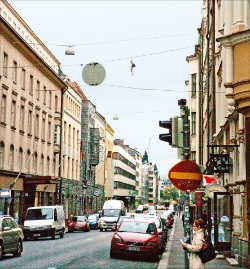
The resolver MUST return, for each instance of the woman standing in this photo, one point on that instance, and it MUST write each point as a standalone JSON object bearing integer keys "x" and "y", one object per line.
{"x": 196, "y": 245}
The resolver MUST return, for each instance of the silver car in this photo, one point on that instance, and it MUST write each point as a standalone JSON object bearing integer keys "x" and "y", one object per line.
{"x": 11, "y": 237}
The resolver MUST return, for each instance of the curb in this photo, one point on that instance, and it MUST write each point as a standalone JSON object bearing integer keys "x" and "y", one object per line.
{"x": 163, "y": 264}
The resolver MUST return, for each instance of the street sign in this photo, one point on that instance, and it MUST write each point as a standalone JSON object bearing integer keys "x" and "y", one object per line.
{"x": 185, "y": 175}
{"x": 93, "y": 74}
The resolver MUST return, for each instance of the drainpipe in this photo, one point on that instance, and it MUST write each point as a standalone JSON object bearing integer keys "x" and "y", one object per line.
{"x": 59, "y": 195}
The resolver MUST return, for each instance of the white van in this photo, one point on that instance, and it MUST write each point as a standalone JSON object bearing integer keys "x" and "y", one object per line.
{"x": 43, "y": 221}
{"x": 112, "y": 210}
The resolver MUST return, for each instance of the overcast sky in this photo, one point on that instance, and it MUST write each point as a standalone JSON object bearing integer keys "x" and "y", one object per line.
{"x": 157, "y": 35}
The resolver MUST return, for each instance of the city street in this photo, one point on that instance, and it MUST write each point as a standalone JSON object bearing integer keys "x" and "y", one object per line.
{"x": 75, "y": 250}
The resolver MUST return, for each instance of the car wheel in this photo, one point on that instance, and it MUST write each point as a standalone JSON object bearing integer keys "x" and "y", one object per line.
{"x": 19, "y": 249}
{"x": 112, "y": 254}
{"x": 155, "y": 258}
{"x": 101, "y": 229}
{"x": 62, "y": 234}
{"x": 25, "y": 238}
{"x": 1, "y": 251}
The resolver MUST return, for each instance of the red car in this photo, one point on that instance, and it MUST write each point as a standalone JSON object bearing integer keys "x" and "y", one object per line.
{"x": 136, "y": 237}
{"x": 78, "y": 223}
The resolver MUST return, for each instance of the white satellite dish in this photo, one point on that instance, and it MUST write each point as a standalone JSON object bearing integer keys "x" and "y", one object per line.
{"x": 93, "y": 74}
{"x": 212, "y": 188}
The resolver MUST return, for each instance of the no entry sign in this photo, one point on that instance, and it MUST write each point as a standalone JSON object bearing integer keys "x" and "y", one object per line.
{"x": 185, "y": 175}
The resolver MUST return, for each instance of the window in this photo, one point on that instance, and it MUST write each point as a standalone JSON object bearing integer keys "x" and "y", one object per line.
{"x": 5, "y": 64}
{"x": 38, "y": 90}
{"x": 56, "y": 132}
{"x": 44, "y": 95}
{"x": 22, "y": 115}
{"x": 56, "y": 103}
{"x": 193, "y": 126}
{"x": 49, "y": 132}
{"x": 47, "y": 166}
{"x": 50, "y": 100}
{"x": 42, "y": 165}
{"x": 28, "y": 161}
{"x": 35, "y": 163}
{"x": 11, "y": 158}
{"x": 13, "y": 113}
{"x": 20, "y": 159}
{"x": 193, "y": 78}
{"x": 1, "y": 154}
{"x": 23, "y": 76}
{"x": 43, "y": 126}
{"x": 31, "y": 85}
{"x": 14, "y": 72}
{"x": 37, "y": 125}
{"x": 30, "y": 122}
{"x": 3, "y": 109}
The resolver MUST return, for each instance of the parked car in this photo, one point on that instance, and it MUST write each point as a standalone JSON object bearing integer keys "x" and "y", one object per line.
{"x": 11, "y": 237}
{"x": 93, "y": 221}
{"x": 160, "y": 225}
{"x": 120, "y": 219}
{"x": 78, "y": 223}
{"x": 136, "y": 237}
{"x": 139, "y": 209}
{"x": 168, "y": 218}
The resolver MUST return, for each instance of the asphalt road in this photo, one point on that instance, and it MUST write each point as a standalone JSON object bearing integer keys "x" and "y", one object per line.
{"x": 75, "y": 251}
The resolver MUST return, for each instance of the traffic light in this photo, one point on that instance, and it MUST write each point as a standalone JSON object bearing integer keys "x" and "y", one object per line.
{"x": 168, "y": 136}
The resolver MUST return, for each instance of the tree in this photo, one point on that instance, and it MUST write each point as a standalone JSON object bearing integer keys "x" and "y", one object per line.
{"x": 171, "y": 193}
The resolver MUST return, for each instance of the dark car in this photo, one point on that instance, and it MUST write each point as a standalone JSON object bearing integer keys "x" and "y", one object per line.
{"x": 93, "y": 221}
{"x": 138, "y": 238}
{"x": 78, "y": 223}
{"x": 11, "y": 237}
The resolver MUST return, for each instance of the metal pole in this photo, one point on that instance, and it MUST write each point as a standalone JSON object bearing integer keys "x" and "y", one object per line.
{"x": 186, "y": 228}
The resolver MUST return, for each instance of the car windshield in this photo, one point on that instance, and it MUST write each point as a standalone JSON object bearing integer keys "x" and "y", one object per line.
{"x": 111, "y": 212}
{"x": 136, "y": 227}
{"x": 39, "y": 214}
{"x": 155, "y": 220}
{"x": 78, "y": 219}
{"x": 92, "y": 217}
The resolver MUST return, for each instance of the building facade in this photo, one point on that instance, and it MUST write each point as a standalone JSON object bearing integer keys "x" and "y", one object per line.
{"x": 30, "y": 126}
{"x": 219, "y": 87}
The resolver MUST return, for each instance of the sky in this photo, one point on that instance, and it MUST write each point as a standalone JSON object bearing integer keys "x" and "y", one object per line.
{"x": 156, "y": 35}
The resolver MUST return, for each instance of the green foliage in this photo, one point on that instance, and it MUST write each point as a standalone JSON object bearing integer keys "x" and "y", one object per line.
{"x": 170, "y": 193}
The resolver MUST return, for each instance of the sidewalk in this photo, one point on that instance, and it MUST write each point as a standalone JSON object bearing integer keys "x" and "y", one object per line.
{"x": 173, "y": 257}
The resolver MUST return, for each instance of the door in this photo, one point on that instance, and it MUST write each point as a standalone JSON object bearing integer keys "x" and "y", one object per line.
{"x": 223, "y": 212}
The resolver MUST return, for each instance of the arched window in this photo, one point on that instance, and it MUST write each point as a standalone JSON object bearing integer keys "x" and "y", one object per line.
{"x": 47, "y": 166}
{"x": 42, "y": 165}
{"x": 1, "y": 154}
{"x": 20, "y": 159}
{"x": 35, "y": 163}
{"x": 28, "y": 161}
{"x": 11, "y": 158}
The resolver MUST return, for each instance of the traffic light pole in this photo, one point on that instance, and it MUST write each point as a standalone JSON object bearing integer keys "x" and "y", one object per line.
{"x": 186, "y": 228}
{"x": 185, "y": 152}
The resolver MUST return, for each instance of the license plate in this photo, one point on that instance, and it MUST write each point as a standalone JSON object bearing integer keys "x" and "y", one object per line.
{"x": 36, "y": 235}
{"x": 134, "y": 248}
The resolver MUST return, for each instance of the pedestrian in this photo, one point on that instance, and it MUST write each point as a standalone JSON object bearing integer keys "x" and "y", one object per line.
{"x": 204, "y": 217}
{"x": 196, "y": 245}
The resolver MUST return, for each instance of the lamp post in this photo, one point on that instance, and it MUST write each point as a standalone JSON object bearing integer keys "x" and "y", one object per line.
{"x": 84, "y": 189}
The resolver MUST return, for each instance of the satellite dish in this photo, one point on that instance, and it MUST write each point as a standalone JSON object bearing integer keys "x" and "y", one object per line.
{"x": 93, "y": 74}
{"x": 212, "y": 188}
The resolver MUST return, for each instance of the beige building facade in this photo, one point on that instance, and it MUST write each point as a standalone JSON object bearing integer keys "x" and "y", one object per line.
{"x": 30, "y": 98}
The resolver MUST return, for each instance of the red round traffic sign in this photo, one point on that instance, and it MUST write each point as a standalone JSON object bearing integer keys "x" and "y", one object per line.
{"x": 185, "y": 175}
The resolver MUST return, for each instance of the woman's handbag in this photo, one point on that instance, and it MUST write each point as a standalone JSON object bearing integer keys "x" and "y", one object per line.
{"x": 207, "y": 252}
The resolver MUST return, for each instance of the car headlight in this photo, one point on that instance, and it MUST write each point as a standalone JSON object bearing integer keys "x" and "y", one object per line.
{"x": 26, "y": 228}
{"x": 102, "y": 222}
{"x": 151, "y": 243}
{"x": 47, "y": 227}
{"x": 117, "y": 239}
